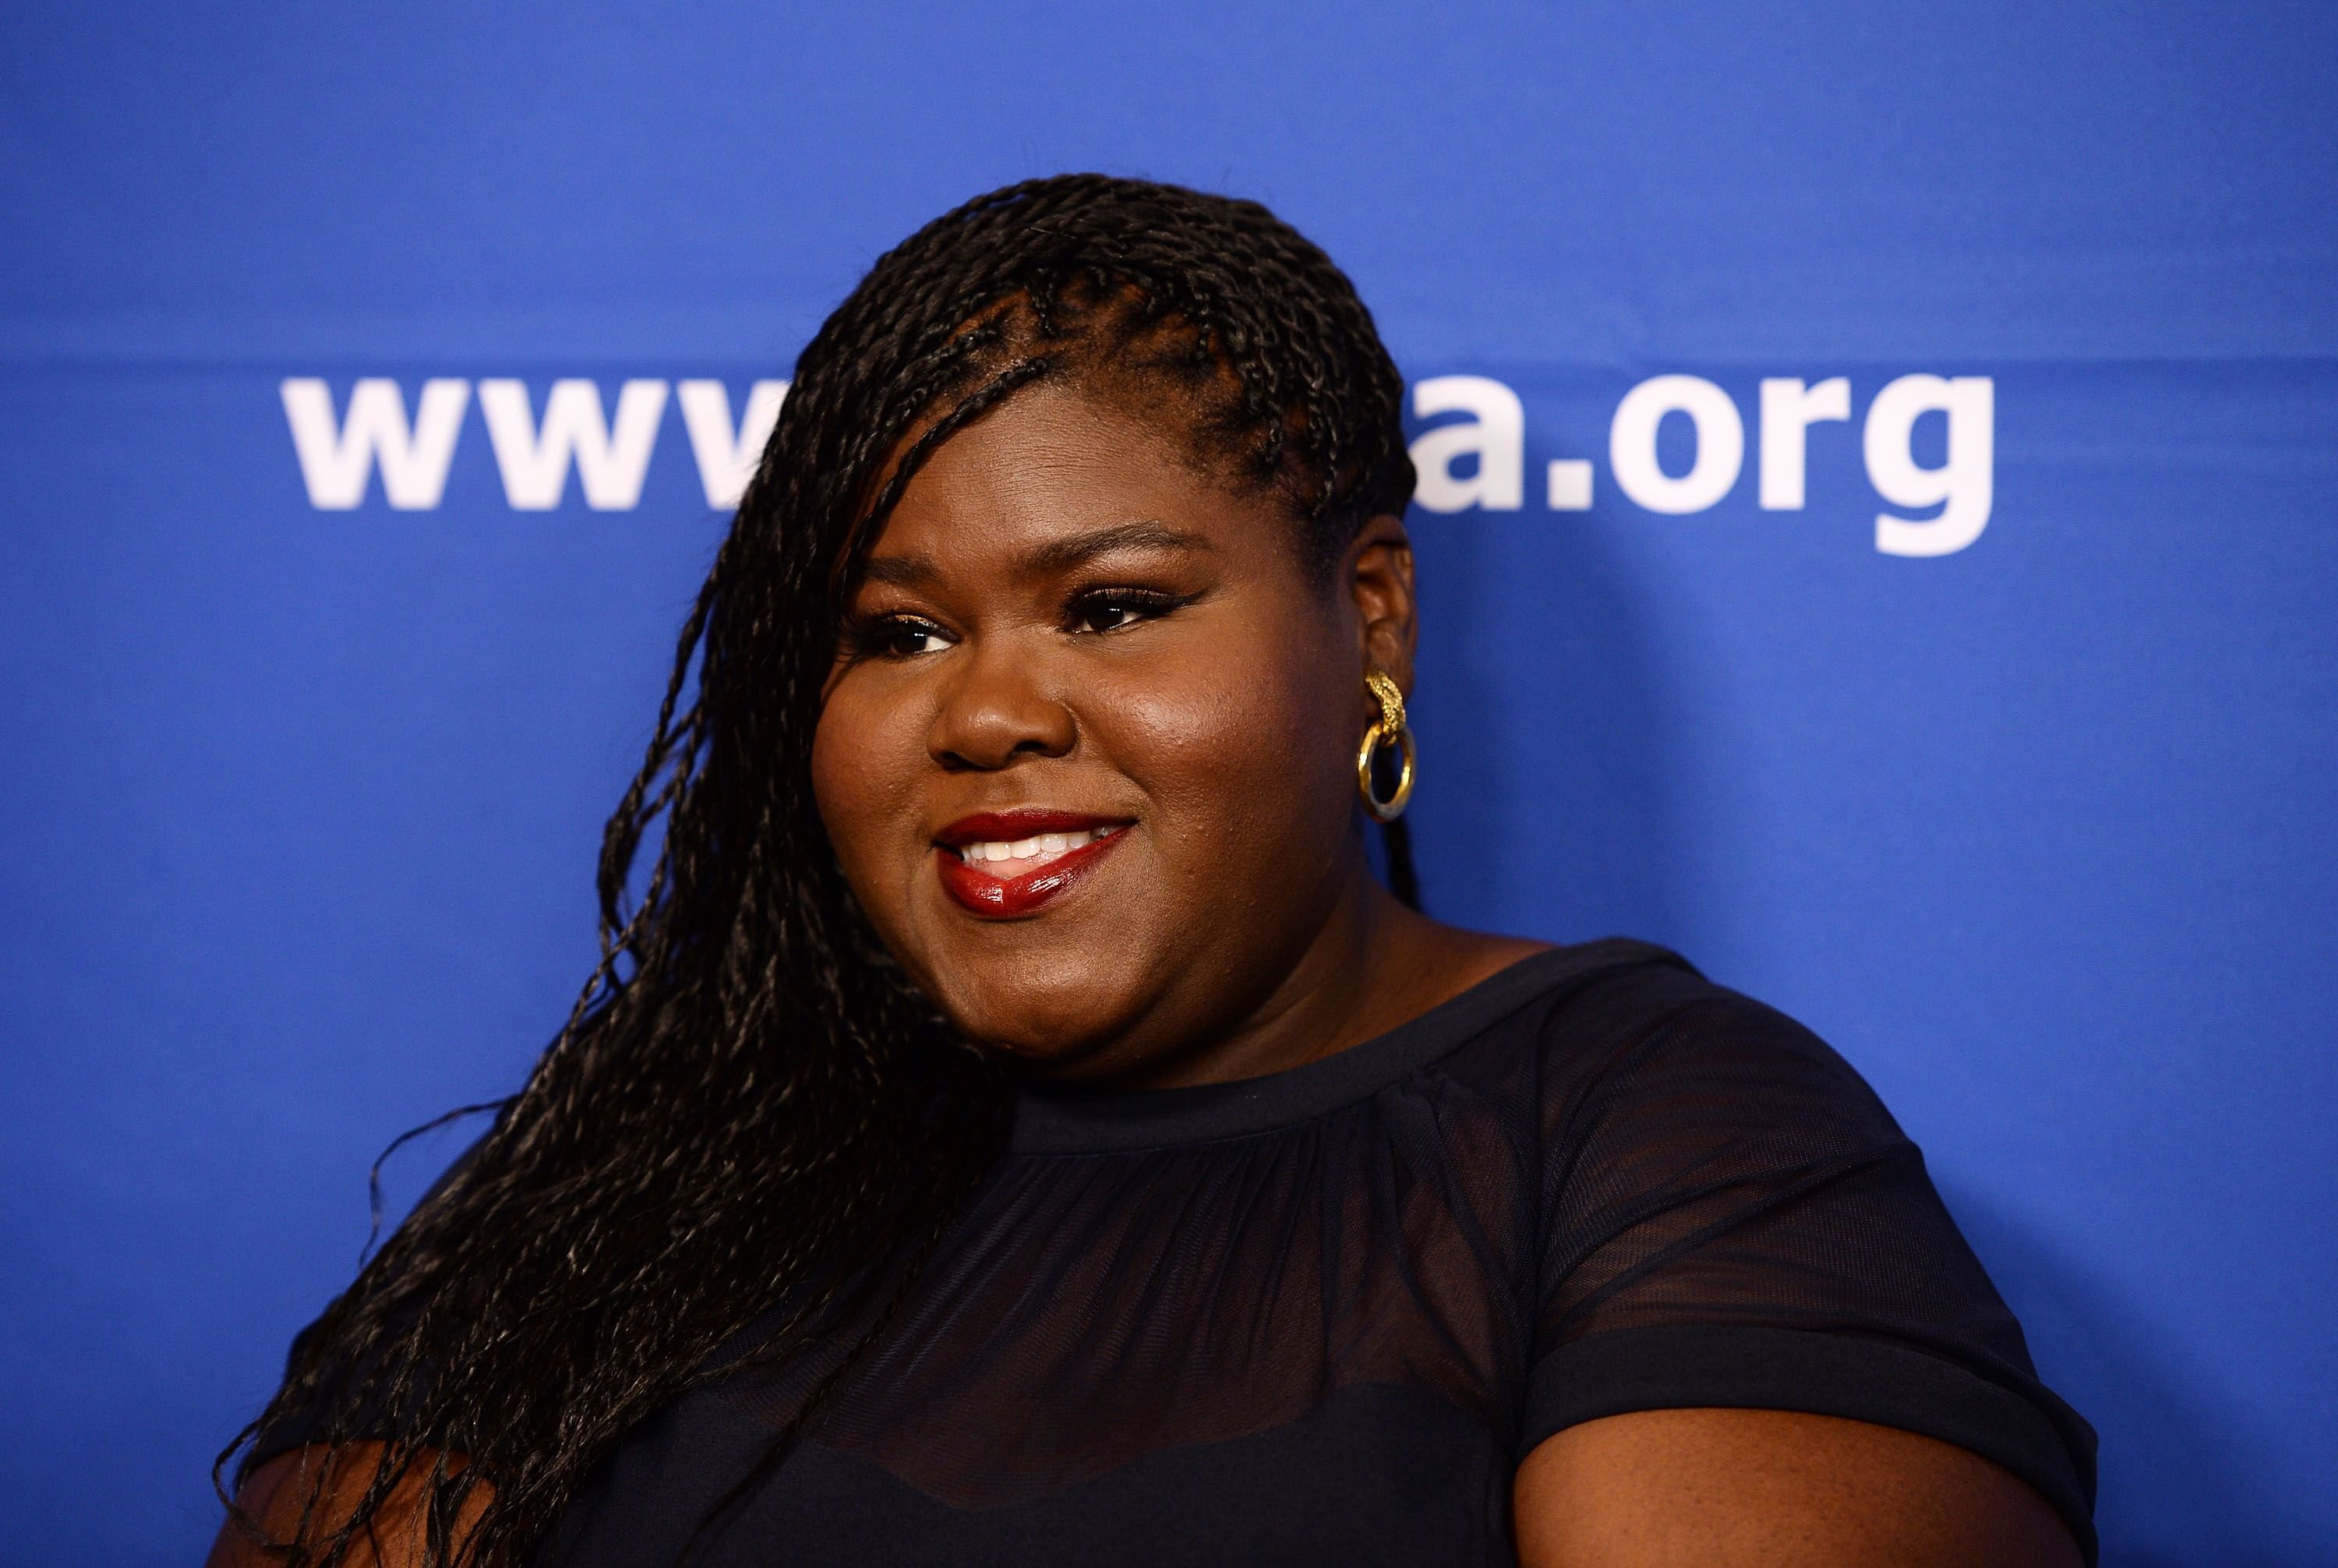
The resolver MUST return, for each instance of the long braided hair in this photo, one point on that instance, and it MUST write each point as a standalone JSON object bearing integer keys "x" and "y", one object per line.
{"x": 718, "y": 1130}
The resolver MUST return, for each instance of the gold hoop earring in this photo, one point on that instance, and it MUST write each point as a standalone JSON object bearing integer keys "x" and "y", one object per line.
{"x": 1389, "y": 727}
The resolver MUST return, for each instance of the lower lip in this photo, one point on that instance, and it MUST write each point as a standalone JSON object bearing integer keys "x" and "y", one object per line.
{"x": 991, "y": 898}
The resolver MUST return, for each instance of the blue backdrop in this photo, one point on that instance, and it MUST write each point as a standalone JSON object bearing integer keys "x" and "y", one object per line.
{"x": 315, "y": 693}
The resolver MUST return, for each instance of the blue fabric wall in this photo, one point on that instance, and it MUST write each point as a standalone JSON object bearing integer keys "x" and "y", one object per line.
{"x": 299, "y": 804}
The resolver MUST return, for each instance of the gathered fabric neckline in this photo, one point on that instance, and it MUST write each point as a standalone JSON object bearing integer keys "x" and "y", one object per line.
{"x": 1070, "y": 1120}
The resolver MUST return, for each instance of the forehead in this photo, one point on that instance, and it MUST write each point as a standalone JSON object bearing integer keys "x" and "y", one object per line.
{"x": 1054, "y": 462}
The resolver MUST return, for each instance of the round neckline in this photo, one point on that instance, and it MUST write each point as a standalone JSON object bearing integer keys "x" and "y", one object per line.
{"x": 1069, "y": 1120}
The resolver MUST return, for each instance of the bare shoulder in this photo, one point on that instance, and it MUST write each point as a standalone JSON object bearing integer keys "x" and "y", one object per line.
{"x": 1479, "y": 955}
{"x": 1448, "y": 960}
{"x": 1757, "y": 1488}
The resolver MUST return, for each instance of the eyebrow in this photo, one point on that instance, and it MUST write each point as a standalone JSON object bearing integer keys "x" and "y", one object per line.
{"x": 1062, "y": 554}
{"x": 1057, "y": 555}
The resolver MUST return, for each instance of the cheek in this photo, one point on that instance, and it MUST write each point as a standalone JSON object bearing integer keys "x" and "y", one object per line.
{"x": 1242, "y": 752}
{"x": 865, "y": 759}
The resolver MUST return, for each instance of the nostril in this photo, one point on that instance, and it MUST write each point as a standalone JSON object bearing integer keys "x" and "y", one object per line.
{"x": 999, "y": 727}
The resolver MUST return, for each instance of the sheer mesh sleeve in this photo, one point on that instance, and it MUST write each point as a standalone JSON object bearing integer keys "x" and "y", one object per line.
{"x": 330, "y": 1415}
{"x": 1730, "y": 1218}
{"x": 341, "y": 1408}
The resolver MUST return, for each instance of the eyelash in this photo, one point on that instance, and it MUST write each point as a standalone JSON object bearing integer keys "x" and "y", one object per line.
{"x": 884, "y": 636}
{"x": 881, "y": 636}
{"x": 1147, "y": 603}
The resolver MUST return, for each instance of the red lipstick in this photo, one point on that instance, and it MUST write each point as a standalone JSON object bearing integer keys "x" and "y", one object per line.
{"x": 1000, "y": 899}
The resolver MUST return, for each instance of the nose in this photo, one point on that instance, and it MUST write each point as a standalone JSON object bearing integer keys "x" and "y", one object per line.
{"x": 998, "y": 710}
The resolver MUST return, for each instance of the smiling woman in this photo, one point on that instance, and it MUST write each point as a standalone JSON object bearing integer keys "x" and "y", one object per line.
{"x": 1017, "y": 1126}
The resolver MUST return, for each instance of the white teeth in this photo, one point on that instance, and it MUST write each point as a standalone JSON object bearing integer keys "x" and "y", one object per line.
{"x": 1041, "y": 846}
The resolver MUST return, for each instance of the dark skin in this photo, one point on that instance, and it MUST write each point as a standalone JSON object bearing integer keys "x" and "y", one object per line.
{"x": 1068, "y": 610}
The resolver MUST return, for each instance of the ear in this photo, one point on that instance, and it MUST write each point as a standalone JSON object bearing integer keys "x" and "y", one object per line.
{"x": 1377, "y": 574}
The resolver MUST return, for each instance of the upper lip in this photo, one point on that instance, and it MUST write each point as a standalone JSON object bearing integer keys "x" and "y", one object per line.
{"x": 1023, "y": 822}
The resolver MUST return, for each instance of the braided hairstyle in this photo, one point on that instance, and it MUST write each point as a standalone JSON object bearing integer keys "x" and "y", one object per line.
{"x": 720, "y": 1126}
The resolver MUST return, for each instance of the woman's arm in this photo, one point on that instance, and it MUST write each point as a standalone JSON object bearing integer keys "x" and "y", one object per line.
{"x": 277, "y": 1493}
{"x": 1712, "y": 1488}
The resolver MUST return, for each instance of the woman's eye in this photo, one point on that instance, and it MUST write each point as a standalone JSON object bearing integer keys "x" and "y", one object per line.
{"x": 1111, "y": 611}
{"x": 901, "y": 639}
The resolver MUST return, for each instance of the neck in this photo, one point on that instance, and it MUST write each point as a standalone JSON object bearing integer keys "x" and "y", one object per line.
{"x": 1370, "y": 965}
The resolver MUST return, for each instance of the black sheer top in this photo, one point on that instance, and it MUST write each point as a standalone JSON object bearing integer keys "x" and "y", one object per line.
{"x": 1320, "y": 1316}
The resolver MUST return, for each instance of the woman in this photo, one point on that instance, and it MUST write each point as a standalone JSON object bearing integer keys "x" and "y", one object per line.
{"x": 1016, "y": 1124}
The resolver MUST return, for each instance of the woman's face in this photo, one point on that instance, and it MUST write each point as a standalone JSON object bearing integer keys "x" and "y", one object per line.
{"x": 1087, "y": 754}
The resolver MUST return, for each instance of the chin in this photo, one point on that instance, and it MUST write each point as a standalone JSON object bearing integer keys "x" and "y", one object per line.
{"x": 1043, "y": 1026}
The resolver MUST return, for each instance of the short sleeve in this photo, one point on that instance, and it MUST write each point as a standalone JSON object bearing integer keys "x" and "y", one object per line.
{"x": 340, "y": 1407}
{"x": 1730, "y": 1218}
{"x": 343, "y": 1402}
